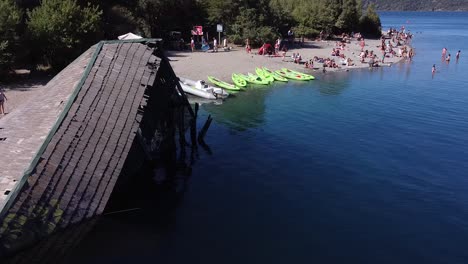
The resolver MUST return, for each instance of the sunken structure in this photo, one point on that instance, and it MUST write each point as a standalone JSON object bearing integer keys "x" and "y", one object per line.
{"x": 98, "y": 120}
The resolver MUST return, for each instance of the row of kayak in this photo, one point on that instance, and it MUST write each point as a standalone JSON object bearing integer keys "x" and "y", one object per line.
{"x": 264, "y": 76}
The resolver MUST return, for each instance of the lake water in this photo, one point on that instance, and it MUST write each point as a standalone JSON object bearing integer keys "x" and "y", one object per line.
{"x": 367, "y": 166}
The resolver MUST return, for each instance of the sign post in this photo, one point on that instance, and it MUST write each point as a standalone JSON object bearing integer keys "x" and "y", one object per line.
{"x": 219, "y": 29}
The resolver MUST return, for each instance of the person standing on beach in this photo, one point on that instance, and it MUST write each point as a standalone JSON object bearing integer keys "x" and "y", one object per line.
{"x": 3, "y": 98}
{"x": 290, "y": 37}
{"x": 278, "y": 46}
{"x": 362, "y": 44}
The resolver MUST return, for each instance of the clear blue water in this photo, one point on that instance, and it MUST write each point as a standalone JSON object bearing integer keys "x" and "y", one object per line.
{"x": 367, "y": 166}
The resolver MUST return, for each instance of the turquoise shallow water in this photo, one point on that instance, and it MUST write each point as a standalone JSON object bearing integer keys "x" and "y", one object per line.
{"x": 367, "y": 166}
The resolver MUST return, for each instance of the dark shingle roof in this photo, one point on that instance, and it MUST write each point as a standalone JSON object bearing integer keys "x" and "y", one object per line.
{"x": 77, "y": 170}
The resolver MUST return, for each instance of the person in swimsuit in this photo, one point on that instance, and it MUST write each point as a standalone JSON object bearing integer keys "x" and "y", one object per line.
{"x": 458, "y": 55}
{"x": 433, "y": 68}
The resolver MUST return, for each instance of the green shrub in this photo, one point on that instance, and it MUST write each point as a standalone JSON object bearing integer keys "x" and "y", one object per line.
{"x": 60, "y": 30}
{"x": 369, "y": 24}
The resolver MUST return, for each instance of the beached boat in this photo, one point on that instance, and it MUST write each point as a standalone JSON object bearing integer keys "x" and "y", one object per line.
{"x": 202, "y": 89}
{"x": 223, "y": 84}
{"x": 238, "y": 81}
{"x": 253, "y": 79}
{"x": 275, "y": 75}
{"x": 192, "y": 99}
{"x": 307, "y": 76}
{"x": 264, "y": 75}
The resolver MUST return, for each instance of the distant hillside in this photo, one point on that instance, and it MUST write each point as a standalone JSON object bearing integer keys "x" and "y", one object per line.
{"x": 419, "y": 5}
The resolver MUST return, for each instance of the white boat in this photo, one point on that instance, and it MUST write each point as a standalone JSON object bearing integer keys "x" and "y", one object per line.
{"x": 201, "y": 101}
{"x": 202, "y": 89}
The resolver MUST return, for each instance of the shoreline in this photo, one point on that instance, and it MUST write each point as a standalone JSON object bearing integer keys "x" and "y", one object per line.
{"x": 198, "y": 65}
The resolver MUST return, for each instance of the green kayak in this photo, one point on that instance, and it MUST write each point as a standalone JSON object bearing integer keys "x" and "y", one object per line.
{"x": 258, "y": 78}
{"x": 223, "y": 84}
{"x": 275, "y": 75}
{"x": 238, "y": 81}
{"x": 306, "y": 76}
{"x": 290, "y": 75}
{"x": 253, "y": 79}
{"x": 264, "y": 75}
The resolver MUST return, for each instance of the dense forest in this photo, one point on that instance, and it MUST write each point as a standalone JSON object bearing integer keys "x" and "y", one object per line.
{"x": 419, "y": 5}
{"x": 51, "y": 33}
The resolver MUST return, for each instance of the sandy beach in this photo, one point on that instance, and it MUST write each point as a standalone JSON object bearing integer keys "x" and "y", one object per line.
{"x": 197, "y": 65}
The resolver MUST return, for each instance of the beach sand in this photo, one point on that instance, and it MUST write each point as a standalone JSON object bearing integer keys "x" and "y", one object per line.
{"x": 197, "y": 65}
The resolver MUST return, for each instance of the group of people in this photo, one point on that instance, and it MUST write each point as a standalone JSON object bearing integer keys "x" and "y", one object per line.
{"x": 205, "y": 45}
{"x": 396, "y": 40}
{"x": 336, "y": 52}
{"x": 446, "y": 57}
{"x": 266, "y": 49}
{"x": 393, "y": 44}
{"x": 399, "y": 37}
{"x": 327, "y": 62}
{"x": 297, "y": 58}
{"x": 366, "y": 54}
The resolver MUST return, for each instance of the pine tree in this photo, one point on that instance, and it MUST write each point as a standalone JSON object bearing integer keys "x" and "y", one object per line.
{"x": 370, "y": 23}
{"x": 348, "y": 18}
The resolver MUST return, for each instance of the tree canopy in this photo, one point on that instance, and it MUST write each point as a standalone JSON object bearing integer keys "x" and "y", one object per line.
{"x": 10, "y": 16}
{"x": 54, "y": 32}
{"x": 264, "y": 20}
{"x": 61, "y": 29}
